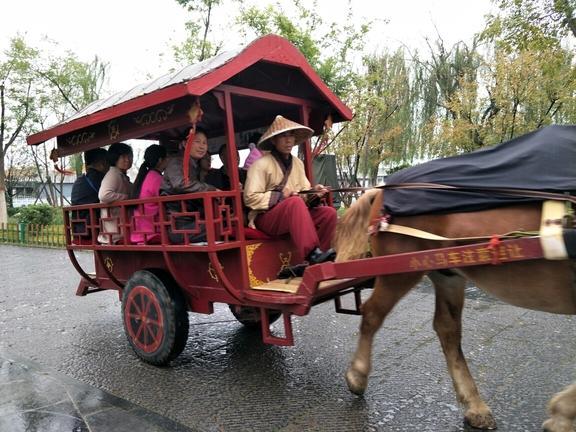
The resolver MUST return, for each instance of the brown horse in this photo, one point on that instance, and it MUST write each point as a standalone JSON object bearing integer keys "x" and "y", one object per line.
{"x": 551, "y": 286}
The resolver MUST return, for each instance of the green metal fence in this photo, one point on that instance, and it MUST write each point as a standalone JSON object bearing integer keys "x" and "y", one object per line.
{"x": 33, "y": 235}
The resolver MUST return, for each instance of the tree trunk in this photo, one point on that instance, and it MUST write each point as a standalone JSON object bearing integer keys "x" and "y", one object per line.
{"x": 3, "y": 208}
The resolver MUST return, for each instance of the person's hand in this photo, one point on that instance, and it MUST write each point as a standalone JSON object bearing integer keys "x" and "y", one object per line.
{"x": 322, "y": 190}
{"x": 287, "y": 192}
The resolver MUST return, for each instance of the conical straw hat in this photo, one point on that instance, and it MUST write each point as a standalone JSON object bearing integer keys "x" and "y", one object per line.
{"x": 281, "y": 125}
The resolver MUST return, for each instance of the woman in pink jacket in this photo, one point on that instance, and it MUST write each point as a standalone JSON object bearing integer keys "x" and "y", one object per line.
{"x": 146, "y": 185}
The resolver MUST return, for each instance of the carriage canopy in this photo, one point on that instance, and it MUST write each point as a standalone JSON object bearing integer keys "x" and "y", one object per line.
{"x": 267, "y": 77}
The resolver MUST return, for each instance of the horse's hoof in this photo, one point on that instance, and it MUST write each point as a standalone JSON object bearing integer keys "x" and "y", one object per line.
{"x": 481, "y": 421}
{"x": 357, "y": 381}
{"x": 556, "y": 425}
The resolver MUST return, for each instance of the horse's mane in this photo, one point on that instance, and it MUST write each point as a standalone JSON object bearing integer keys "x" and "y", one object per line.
{"x": 351, "y": 238}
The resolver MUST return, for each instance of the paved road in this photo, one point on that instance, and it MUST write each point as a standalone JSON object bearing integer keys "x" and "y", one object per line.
{"x": 227, "y": 380}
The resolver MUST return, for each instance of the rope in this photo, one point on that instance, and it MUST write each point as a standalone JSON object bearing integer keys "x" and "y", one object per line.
{"x": 501, "y": 191}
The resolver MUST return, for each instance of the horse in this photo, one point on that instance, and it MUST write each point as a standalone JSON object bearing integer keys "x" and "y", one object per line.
{"x": 551, "y": 285}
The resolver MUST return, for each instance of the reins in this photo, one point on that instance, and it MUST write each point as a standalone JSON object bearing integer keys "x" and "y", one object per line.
{"x": 383, "y": 223}
{"x": 528, "y": 193}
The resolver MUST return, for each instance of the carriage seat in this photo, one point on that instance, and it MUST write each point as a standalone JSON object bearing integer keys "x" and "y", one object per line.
{"x": 256, "y": 234}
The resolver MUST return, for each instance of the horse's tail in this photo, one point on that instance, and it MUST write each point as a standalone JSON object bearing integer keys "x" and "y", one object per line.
{"x": 351, "y": 238}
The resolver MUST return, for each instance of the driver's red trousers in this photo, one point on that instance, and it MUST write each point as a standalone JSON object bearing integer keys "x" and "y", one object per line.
{"x": 308, "y": 228}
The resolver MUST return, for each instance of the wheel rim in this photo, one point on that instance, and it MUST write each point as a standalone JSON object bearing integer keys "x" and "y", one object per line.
{"x": 144, "y": 319}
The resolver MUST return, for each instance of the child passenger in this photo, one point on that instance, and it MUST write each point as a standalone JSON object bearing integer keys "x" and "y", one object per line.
{"x": 146, "y": 185}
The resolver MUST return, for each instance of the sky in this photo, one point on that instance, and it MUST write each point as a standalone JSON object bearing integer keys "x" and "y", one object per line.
{"x": 135, "y": 36}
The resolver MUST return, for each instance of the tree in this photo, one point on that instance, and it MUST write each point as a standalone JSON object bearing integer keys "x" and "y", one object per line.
{"x": 37, "y": 89}
{"x": 330, "y": 49}
{"x": 200, "y": 43}
{"x": 531, "y": 24}
{"x": 16, "y": 104}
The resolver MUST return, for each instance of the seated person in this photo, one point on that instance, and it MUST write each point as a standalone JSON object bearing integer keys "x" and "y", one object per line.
{"x": 85, "y": 188}
{"x": 146, "y": 185}
{"x": 221, "y": 177}
{"x": 115, "y": 186}
{"x": 173, "y": 183}
{"x": 271, "y": 192}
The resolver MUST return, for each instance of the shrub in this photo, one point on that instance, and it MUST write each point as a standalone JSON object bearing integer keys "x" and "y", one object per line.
{"x": 37, "y": 214}
{"x": 58, "y": 216}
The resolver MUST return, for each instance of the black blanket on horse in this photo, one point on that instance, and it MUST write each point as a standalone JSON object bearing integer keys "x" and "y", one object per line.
{"x": 543, "y": 160}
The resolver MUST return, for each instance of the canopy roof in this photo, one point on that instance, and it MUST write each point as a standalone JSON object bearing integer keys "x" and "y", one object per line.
{"x": 268, "y": 66}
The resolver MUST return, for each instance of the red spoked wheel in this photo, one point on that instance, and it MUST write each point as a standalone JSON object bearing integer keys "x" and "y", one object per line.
{"x": 155, "y": 318}
{"x": 144, "y": 319}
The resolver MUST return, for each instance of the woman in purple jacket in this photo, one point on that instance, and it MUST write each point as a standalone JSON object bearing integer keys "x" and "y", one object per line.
{"x": 146, "y": 185}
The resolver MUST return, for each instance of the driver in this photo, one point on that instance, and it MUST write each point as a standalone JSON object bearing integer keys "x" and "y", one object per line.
{"x": 271, "y": 192}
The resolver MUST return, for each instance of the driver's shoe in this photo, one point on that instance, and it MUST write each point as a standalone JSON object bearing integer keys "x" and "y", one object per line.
{"x": 292, "y": 271}
{"x": 317, "y": 256}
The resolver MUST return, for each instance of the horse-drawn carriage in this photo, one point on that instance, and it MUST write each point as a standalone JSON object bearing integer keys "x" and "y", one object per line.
{"x": 240, "y": 93}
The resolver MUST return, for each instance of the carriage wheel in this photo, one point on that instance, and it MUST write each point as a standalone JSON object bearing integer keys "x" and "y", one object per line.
{"x": 250, "y": 316}
{"x": 155, "y": 318}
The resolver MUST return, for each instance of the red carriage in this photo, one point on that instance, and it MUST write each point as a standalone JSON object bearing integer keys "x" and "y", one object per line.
{"x": 241, "y": 92}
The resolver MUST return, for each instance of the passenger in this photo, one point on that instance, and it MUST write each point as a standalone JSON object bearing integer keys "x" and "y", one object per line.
{"x": 221, "y": 177}
{"x": 272, "y": 189}
{"x": 146, "y": 185}
{"x": 173, "y": 184}
{"x": 85, "y": 188}
{"x": 115, "y": 186}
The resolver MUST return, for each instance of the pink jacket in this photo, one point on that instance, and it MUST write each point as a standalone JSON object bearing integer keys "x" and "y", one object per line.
{"x": 143, "y": 221}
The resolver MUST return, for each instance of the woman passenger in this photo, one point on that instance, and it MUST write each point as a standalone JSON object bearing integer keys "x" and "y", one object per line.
{"x": 146, "y": 185}
{"x": 174, "y": 183}
{"x": 115, "y": 186}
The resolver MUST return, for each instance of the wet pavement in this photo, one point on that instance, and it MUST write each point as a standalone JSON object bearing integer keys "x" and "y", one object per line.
{"x": 34, "y": 398}
{"x": 227, "y": 380}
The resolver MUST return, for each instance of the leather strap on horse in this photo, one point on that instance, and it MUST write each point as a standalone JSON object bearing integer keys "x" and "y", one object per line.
{"x": 414, "y": 232}
{"x": 195, "y": 115}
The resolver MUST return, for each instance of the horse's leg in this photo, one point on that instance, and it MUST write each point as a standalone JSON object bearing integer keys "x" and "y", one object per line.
{"x": 448, "y": 327}
{"x": 562, "y": 411}
{"x": 388, "y": 290}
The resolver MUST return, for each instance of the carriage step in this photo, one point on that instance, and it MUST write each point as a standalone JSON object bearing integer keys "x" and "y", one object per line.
{"x": 85, "y": 287}
{"x": 357, "y": 303}
{"x": 269, "y": 338}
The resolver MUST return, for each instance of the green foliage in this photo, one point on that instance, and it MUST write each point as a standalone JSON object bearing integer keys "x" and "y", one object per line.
{"x": 12, "y": 211}
{"x": 38, "y": 214}
{"x": 199, "y": 45}
{"x": 39, "y": 88}
{"x": 531, "y": 24}
{"x": 328, "y": 48}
